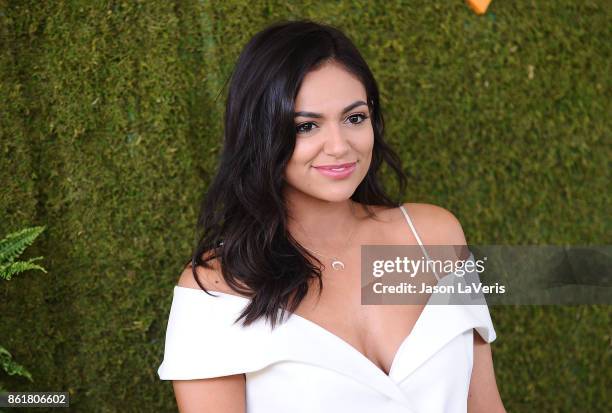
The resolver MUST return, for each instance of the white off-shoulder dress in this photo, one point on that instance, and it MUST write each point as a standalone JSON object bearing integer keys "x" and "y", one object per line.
{"x": 301, "y": 367}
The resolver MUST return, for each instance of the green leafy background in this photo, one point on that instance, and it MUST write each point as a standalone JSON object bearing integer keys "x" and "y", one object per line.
{"x": 111, "y": 125}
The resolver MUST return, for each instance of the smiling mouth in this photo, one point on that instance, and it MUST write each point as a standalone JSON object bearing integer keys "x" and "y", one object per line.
{"x": 337, "y": 172}
{"x": 337, "y": 168}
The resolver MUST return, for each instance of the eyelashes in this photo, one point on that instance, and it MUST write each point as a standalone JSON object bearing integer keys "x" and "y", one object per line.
{"x": 299, "y": 128}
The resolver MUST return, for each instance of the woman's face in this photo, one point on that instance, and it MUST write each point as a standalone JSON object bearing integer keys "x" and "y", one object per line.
{"x": 333, "y": 127}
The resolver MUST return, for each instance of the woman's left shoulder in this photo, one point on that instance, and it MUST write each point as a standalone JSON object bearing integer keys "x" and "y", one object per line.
{"x": 436, "y": 225}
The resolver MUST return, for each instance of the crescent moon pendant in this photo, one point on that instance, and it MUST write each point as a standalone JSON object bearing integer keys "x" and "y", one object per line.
{"x": 336, "y": 265}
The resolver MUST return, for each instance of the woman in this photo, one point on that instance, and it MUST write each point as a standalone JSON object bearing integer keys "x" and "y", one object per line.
{"x": 296, "y": 195}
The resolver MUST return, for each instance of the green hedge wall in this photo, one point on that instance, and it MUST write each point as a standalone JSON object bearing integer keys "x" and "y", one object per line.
{"x": 111, "y": 124}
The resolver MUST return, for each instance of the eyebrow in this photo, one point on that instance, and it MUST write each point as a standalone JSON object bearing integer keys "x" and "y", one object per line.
{"x": 319, "y": 115}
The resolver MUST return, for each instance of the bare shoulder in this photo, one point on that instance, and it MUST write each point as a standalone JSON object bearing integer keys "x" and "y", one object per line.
{"x": 434, "y": 224}
{"x": 210, "y": 278}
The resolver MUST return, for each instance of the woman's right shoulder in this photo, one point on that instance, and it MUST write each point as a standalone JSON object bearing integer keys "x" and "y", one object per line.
{"x": 210, "y": 278}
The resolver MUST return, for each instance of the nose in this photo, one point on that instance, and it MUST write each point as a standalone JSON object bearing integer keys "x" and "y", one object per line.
{"x": 336, "y": 143}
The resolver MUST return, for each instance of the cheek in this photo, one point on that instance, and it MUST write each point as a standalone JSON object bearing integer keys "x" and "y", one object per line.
{"x": 365, "y": 142}
{"x": 304, "y": 152}
{"x": 365, "y": 147}
{"x": 299, "y": 163}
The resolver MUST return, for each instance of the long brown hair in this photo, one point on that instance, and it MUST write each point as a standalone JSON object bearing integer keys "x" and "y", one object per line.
{"x": 243, "y": 219}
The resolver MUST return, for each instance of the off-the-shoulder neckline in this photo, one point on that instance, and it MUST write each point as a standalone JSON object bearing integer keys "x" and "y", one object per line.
{"x": 333, "y": 336}
{"x": 211, "y": 291}
{"x": 328, "y": 333}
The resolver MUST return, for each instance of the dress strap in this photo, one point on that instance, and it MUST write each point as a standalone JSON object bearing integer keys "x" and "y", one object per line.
{"x": 416, "y": 235}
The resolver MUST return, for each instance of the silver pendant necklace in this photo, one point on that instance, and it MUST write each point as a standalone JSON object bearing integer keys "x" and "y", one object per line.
{"x": 336, "y": 263}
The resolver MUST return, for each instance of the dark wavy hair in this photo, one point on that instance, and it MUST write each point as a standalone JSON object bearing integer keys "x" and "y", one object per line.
{"x": 243, "y": 219}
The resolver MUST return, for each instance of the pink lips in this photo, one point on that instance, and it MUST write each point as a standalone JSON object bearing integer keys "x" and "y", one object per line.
{"x": 337, "y": 172}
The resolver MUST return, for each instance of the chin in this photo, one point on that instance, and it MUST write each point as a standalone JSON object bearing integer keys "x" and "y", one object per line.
{"x": 335, "y": 196}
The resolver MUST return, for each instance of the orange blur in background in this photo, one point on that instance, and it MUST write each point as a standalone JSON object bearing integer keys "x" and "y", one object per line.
{"x": 478, "y": 6}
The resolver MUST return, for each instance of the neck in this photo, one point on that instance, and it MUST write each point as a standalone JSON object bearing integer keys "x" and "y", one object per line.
{"x": 319, "y": 223}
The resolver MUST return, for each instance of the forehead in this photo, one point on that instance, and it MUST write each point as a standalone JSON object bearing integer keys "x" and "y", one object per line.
{"x": 329, "y": 88}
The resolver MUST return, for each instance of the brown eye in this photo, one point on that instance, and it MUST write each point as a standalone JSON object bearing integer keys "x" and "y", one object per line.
{"x": 356, "y": 116}
{"x": 307, "y": 125}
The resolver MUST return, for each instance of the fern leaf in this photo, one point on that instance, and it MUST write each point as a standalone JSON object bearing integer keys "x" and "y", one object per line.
{"x": 15, "y": 243}
{"x": 7, "y": 271}
{"x": 11, "y": 367}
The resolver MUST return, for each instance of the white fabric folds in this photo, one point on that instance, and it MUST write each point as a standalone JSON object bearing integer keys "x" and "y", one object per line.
{"x": 302, "y": 367}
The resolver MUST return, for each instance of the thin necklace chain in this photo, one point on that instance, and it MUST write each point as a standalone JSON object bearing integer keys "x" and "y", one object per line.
{"x": 335, "y": 260}
{"x": 327, "y": 256}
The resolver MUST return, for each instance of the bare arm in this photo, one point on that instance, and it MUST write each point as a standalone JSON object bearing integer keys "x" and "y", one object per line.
{"x": 217, "y": 394}
{"x": 483, "y": 395}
